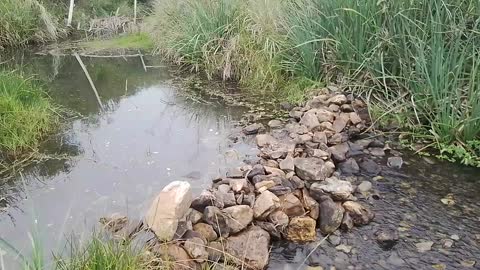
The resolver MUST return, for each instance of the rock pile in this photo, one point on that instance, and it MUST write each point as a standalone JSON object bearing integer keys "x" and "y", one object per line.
{"x": 304, "y": 180}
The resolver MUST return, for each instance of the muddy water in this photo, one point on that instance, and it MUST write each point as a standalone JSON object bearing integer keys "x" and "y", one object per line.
{"x": 152, "y": 132}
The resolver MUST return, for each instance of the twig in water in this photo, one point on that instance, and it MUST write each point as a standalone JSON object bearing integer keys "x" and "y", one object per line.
{"x": 89, "y": 79}
{"x": 313, "y": 250}
{"x": 143, "y": 62}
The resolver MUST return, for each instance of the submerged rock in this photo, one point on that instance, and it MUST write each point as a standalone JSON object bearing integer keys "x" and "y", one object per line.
{"x": 360, "y": 214}
{"x": 254, "y": 129}
{"x": 387, "y": 239}
{"x": 250, "y": 248}
{"x": 338, "y": 189}
{"x": 167, "y": 208}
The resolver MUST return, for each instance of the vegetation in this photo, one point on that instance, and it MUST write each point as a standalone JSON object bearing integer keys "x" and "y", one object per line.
{"x": 26, "y": 114}
{"x": 418, "y": 59}
{"x": 25, "y": 21}
{"x": 129, "y": 41}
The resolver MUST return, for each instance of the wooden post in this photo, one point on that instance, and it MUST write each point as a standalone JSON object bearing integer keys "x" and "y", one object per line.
{"x": 70, "y": 13}
{"x": 135, "y": 11}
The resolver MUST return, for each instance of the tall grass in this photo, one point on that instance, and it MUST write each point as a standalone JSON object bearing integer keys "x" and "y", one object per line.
{"x": 415, "y": 58}
{"x": 25, "y": 21}
{"x": 26, "y": 114}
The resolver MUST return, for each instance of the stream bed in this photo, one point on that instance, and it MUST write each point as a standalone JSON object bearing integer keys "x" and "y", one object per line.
{"x": 150, "y": 131}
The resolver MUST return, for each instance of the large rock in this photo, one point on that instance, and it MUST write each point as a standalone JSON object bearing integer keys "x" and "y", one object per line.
{"x": 331, "y": 215}
{"x": 215, "y": 217}
{"x": 238, "y": 217}
{"x": 265, "y": 204}
{"x": 195, "y": 247}
{"x": 301, "y": 229}
{"x": 291, "y": 205}
{"x": 360, "y": 214}
{"x": 250, "y": 248}
{"x": 338, "y": 189}
{"x": 313, "y": 169}
{"x": 167, "y": 208}
{"x": 206, "y": 230}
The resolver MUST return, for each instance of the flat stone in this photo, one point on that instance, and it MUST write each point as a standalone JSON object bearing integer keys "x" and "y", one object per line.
{"x": 296, "y": 114}
{"x": 338, "y": 138}
{"x": 287, "y": 164}
{"x": 424, "y": 246}
{"x": 170, "y": 205}
{"x": 347, "y": 223}
{"x": 254, "y": 129}
{"x": 376, "y": 151}
{"x": 301, "y": 229}
{"x": 206, "y": 230}
{"x": 338, "y": 189}
{"x": 334, "y": 240}
{"x": 256, "y": 170}
{"x": 370, "y": 167}
{"x": 274, "y": 124}
{"x": 313, "y": 169}
{"x": 339, "y": 152}
{"x": 349, "y": 167}
{"x": 331, "y": 215}
{"x": 250, "y": 248}
{"x": 364, "y": 187}
{"x": 291, "y": 205}
{"x": 296, "y": 182}
{"x": 235, "y": 173}
{"x": 340, "y": 123}
{"x": 264, "y": 140}
{"x": 360, "y": 214}
{"x": 395, "y": 260}
{"x": 318, "y": 153}
{"x": 344, "y": 248}
{"x": 265, "y": 204}
{"x": 264, "y": 185}
{"x": 238, "y": 217}
{"x": 319, "y": 137}
{"x": 355, "y": 118}
{"x": 238, "y": 185}
{"x": 274, "y": 171}
{"x": 324, "y": 115}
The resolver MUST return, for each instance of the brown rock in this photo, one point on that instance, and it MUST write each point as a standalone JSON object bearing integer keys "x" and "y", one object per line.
{"x": 341, "y": 122}
{"x": 338, "y": 99}
{"x": 360, "y": 214}
{"x": 195, "y": 247}
{"x": 279, "y": 218}
{"x": 265, "y": 204}
{"x": 291, "y": 205}
{"x": 354, "y": 118}
{"x": 265, "y": 139}
{"x": 310, "y": 204}
{"x": 250, "y": 248}
{"x": 238, "y": 217}
{"x": 310, "y": 120}
{"x": 319, "y": 137}
{"x": 301, "y": 229}
{"x": 313, "y": 169}
{"x": 176, "y": 256}
{"x": 331, "y": 215}
{"x": 206, "y": 231}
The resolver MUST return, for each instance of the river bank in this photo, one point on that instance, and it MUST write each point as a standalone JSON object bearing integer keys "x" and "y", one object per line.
{"x": 93, "y": 177}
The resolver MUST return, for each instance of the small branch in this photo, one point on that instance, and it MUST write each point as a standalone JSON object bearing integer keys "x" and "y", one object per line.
{"x": 89, "y": 79}
{"x": 143, "y": 62}
{"x": 70, "y": 13}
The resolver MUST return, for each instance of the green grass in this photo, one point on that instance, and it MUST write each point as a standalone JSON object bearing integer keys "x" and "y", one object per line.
{"x": 130, "y": 41}
{"x": 418, "y": 59}
{"x": 27, "y": 21}
{"x": 26, "y": 114}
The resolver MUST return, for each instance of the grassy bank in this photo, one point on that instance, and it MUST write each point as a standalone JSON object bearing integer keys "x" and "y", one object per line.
{"x": 416, "y": 62}
{"x": 26, "y": 115}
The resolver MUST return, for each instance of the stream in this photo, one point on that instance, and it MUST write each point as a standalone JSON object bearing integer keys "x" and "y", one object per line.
{"x": 152, "y": 131}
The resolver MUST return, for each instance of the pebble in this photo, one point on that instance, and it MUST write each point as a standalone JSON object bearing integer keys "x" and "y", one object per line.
{"x": 395, "y": 162}
{"x": 364, "y": 187}
{"x": 344, "y": 248}
{"x": 448, "y": 243}
{"x": 455, "y": 237}
{"x": 468, "y": 263}
{"x": 334, "y": 240}
{"x": 424, "y": 246}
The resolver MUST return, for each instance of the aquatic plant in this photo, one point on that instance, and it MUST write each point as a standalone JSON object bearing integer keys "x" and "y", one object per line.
{"x": 418, "y": 59}
{"x": 26, "y": 114}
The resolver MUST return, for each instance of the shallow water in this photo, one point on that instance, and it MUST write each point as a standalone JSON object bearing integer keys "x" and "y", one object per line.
{"x": 152, "y": 132}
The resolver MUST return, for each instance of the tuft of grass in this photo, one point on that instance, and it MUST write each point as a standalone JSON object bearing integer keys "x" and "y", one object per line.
{"x": 26, "y": 21}
{"x": 26, "y": 114}
{"x": 129, "y": 41}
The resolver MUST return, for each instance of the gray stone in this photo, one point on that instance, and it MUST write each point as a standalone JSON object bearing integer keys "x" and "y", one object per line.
{"x": 344, "y": 248}
{"x": 334, "y": 240}
{"x": 250, "y": 248}
{"x": 206, "y": 230}
{"x": 254, "y": 129}
{"x": 361, "y": 215}
{"x": 287, "y": 164}
{"x": 310, "y": 120}
{"x": 215, "y": 217}
{"x": 313, "y": 169}
{"x": 340, "y": 123}
{"x": 265, "y": 204}
{"x": 338, "y": 138}
{"x": 338, "y": 99}
{"x": 256, "y": 170}
{"x": 320, "y": 137}
{"x": 324, "y": 115}
{"x": 280, "y": 190}
{"x": 370, "y": 167}
{"x": 387, "y": 238}
{"x": 264, "y": 140}
{"x": 238, "y": 185}
{"x": 424, "y": 246}
{"x": 395, "y": 162}
{"x": 364, "y": 187}
{"x": 310, "y": 204}
{"x": 331, "y": 215}
{"x": 249, "y": 199}
{"x": 215, "y": 251}
{"x": 318, "y": 153}
{"x": 376, "y": 151}
{"x": 235, "y": 173}
{"x": 275, "y": 124}
{"x": 296, "y": 182}
{"x": 270, "y": 228}
{"x": 338, "y": 189}
{"x": 195, "y": 247}
{"x": 167, "y": 208}
{"x": 279, "y": 219}
{"x": 349, "y": 167}
{"x": 339, "y": 152}
{"x": 395, "y": 260}
{"x": 193, "y": 216}
{"x": 347, "y": 223}
{"x": 296, "y": 114}
{"x": 238, "y": 217}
